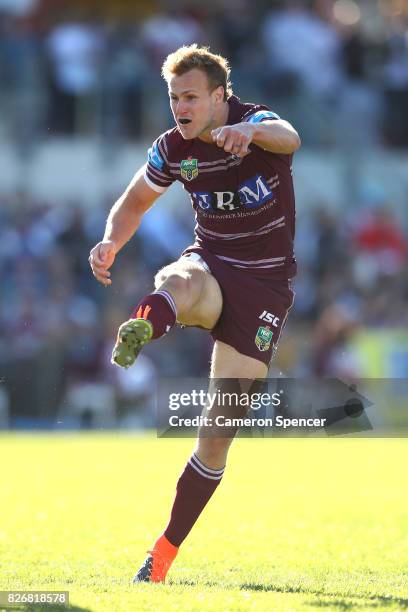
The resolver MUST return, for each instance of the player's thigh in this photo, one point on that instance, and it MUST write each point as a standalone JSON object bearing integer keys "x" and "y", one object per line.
{"x": 203, "y": 300}
{"x": 227, "y": 362}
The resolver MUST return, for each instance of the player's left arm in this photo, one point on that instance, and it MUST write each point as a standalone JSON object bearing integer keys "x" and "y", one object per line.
{"x": 276, "y": 136}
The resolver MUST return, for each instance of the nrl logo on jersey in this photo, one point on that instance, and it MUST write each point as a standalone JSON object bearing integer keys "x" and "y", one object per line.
{"x": 189, "y": 168}
{"x": 263, "y": 338}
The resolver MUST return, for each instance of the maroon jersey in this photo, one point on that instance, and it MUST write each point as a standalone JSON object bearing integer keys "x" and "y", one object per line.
{"x": 245, "y": 207}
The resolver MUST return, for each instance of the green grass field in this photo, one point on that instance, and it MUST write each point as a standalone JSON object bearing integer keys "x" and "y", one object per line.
{"x": 297, "y": 524}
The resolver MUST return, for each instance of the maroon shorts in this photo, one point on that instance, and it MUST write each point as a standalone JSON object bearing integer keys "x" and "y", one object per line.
{"x": 254, "y": 311}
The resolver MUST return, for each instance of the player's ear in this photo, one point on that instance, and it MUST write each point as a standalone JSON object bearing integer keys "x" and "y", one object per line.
{"x": 218, "y": 94}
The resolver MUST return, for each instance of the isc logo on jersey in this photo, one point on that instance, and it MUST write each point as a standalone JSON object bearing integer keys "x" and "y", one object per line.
{"x": 251, "y": 193}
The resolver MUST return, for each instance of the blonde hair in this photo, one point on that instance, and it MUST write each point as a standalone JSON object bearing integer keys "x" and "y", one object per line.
{"x": 186, "y": 58}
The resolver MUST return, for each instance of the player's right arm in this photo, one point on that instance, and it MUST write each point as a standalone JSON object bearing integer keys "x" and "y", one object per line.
{"x": 122, "y": 222}
{"x": 147, "y": 185}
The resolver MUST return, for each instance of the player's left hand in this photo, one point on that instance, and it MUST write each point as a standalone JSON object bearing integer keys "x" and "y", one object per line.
{"x": 234, "y": 139}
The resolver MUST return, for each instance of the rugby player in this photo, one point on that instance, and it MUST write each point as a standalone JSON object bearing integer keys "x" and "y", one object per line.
{"x": 234, "y": 160}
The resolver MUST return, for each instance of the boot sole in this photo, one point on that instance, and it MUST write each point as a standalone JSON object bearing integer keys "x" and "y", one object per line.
{"x": 132, "y": 336}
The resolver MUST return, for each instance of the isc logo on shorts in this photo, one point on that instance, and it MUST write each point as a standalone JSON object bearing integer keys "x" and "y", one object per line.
{"x": 251, "y": 193}
{"x": 270, "y": 318}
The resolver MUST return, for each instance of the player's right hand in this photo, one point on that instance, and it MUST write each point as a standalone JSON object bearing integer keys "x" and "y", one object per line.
{"x": 100, "y": 259}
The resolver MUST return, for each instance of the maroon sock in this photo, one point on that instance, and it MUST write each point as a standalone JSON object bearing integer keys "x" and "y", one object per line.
{"x": 160, "y": 309}
{"x": 194, "y": 489}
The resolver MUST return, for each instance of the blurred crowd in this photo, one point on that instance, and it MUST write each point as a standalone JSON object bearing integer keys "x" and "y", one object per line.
{"x": 74, "y": 68}
{"x": 338, "y": 69}
{"x": 58, "y": 325}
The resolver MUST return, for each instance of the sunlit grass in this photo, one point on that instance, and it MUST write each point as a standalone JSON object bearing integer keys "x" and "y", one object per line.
{"x": 295, "y": 525}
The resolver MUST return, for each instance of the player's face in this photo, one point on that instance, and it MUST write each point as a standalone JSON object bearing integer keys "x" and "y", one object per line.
{"x": 193, "y": 105}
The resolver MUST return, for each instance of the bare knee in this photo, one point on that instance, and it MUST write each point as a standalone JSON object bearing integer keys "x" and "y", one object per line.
{"x": 162, "y": 276}
{"x": 184, "y": 285}
{"x": 197, "y": 294}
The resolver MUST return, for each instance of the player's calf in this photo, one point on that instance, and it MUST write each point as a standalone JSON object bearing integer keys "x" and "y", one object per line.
{"x": 213, "y": 451}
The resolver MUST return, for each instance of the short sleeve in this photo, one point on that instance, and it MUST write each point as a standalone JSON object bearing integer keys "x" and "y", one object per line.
{"x": 157, "y": 174}
{"x": 261, "y": 115}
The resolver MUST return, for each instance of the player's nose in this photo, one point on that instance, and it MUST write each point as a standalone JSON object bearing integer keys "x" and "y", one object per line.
{"x": 181, "y": 110}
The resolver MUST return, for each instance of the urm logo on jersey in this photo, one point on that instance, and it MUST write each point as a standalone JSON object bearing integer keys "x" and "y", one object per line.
{"x": 250, "y": 194}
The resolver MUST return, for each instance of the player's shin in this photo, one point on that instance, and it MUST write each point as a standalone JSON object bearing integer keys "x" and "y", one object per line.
{"x": 195, "y": 487}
